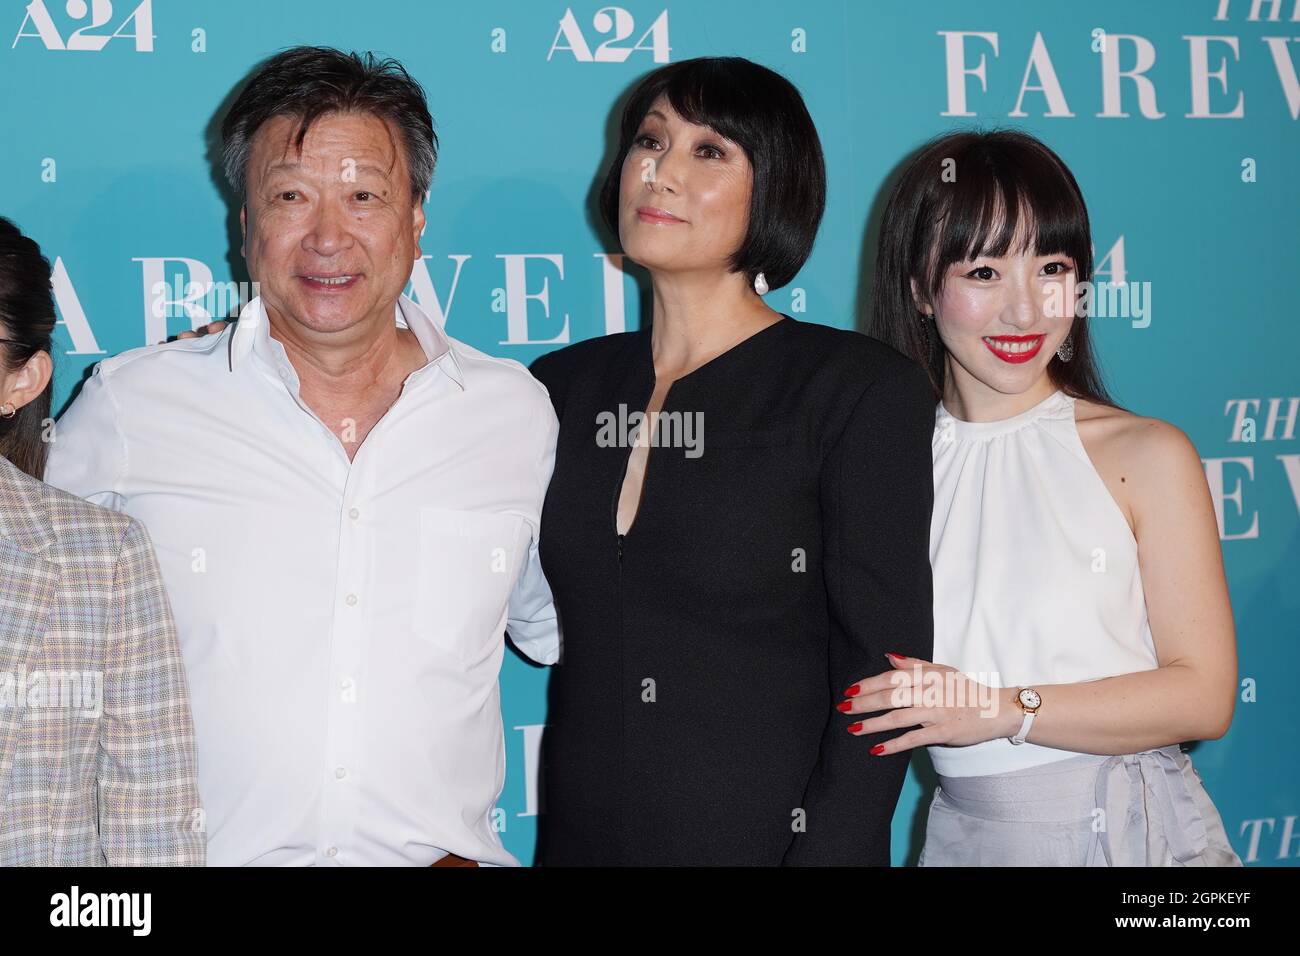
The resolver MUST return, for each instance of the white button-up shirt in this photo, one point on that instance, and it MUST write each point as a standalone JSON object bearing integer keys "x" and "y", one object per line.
{"x": 341, "y": 622}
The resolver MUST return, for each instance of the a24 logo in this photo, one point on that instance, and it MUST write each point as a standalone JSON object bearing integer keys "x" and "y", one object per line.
{"x": 621, "y": 24}
{"x": 137, "y": 25}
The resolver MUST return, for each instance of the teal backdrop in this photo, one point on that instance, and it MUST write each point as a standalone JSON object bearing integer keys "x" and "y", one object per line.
{"x": 1179, "y": 118}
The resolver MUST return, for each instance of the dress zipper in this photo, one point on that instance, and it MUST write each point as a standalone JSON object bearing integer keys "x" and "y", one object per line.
{"x": 618, "y": 489}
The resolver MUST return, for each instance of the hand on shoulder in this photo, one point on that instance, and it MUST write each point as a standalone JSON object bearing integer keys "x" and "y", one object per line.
{"x": 212, "y": 328}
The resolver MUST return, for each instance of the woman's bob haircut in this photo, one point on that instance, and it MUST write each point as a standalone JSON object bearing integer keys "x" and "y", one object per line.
{"x": 764, "y": 114}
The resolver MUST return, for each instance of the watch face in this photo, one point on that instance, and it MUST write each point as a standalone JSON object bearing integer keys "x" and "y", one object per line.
{"x": 1030, "y": 698}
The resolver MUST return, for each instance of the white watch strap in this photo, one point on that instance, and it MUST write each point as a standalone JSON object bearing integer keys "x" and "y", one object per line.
{"x": 1025, "y": 724}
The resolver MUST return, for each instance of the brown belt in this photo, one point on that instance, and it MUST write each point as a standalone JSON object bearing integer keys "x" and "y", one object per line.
{"x": 451, "y": 859}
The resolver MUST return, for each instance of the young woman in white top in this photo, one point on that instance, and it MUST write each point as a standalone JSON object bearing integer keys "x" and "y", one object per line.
{"x": 1082, "y": 622}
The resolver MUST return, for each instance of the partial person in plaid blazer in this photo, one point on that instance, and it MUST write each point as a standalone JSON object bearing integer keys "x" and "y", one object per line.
{"x": 97, "y": 757}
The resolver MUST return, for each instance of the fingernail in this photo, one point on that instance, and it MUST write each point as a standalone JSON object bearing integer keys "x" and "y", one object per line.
{"x": 852, "y": 690}
{"x": 855, "y": 727}
{"x": 877, "y": 750}
{"x": 899, "y": 657}
{"x": 844, "y": 706}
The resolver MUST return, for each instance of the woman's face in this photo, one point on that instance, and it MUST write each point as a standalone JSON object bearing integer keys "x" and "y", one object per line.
{"x": 683, "y": 195}
{"x": 1002, "y": 318}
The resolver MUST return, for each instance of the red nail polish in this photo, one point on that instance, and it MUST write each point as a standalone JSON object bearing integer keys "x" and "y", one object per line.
{"x": 844, "y": 706}
{"x": 877, "y": 750}
{"x": 854, "y": 728}
{"x": 899, "y": 657}
{"x": 852, "y": 690}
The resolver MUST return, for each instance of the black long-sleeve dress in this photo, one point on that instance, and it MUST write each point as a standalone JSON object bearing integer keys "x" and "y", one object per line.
{"x": 692, "y": 715}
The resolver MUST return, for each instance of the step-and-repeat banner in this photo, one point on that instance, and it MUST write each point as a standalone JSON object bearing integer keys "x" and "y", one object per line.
{"x": 1180, "y": 118}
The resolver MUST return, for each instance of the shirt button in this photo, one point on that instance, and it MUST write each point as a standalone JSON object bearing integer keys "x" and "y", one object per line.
{"x": 340, "y": 772}
{"x": 351, "y": 600}
{"x": 284, "y": 373}
{"x": 332, "y": 851}
{"x": 345, "y": 683}
{"x": 354, "y": 514}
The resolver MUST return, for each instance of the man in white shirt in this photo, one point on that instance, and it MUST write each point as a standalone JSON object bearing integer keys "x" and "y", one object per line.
{"x": 344, "y": 501}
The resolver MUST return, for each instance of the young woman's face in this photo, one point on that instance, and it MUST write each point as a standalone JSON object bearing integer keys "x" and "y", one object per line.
{"x": 1003, "y": 318}
{"x": 683, "y": 194}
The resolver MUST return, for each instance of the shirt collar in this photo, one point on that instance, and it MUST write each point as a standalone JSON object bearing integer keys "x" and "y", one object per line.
{"x": 432, "y": 339}
{"x": 253, "y": 334}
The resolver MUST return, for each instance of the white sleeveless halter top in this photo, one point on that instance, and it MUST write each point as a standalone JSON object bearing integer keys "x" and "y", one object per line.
{"x": 1036, "y": 575}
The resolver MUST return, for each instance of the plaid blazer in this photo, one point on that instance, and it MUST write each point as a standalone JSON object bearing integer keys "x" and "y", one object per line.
{"x": 97, "y": 757}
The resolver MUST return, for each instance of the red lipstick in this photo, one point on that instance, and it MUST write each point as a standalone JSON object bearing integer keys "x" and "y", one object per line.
{"x": 1001, "y": 346}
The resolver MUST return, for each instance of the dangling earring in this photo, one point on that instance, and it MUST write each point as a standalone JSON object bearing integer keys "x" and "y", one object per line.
{"x": 1066, "y": 350}
{"x": 760, "y": 284}
{"x": 7, "y": 410}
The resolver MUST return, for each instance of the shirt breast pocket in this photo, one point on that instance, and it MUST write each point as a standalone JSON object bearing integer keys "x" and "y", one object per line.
{"x": 469, "y": 561}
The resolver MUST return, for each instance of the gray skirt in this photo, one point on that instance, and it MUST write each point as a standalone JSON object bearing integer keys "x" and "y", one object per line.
{"x": 1145, "y": 809}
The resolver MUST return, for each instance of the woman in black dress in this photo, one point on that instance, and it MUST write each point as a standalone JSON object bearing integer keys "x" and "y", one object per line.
{"x": 725, "y": 567}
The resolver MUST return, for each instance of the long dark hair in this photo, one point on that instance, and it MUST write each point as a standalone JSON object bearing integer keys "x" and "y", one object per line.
{"x": 26, "y": 322}
{"x": 935, "y": 219}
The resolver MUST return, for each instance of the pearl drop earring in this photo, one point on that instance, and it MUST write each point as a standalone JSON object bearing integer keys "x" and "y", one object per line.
{"x": 760, "y": 284}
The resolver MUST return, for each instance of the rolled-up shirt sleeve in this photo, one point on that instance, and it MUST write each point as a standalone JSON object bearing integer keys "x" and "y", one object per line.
{"x": 531, "y": 620}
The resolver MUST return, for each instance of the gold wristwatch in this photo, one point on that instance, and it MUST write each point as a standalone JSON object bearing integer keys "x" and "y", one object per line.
{"x": 1028, "y": 700}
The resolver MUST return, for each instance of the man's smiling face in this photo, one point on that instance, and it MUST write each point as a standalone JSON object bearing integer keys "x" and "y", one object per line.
{"x": 330, "y": 233}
